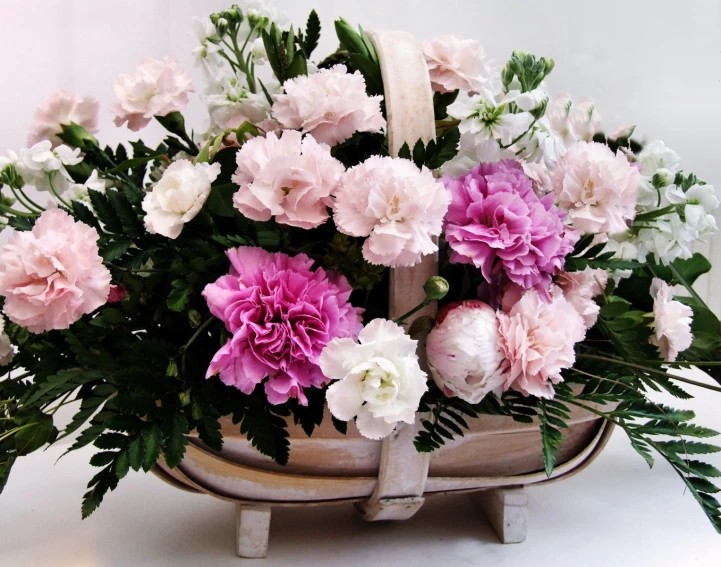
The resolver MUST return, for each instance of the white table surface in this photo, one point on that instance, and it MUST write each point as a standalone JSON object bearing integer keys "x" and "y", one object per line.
{"x": 615, "y": 513}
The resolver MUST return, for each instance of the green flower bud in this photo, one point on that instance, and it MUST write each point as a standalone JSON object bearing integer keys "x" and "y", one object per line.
{"x": 436, "y": 287}
{"x": 194, "y": 318}
{"x": 76, "y": 136}
{"x": 172, "y": 369}
{"x": 662, "y": 178}
{"x": 222, "y": 26}
{"x": 184, "y": 398}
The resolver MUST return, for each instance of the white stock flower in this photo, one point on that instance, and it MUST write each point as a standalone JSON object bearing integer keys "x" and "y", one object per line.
{"x": 488, "y": 119}
{"x": 42, "y": 165}
{"x": 257, "y": 49}
{"x": 378, "y": 380}
{"x": 206, "y": 53}
{"x": 471, "y": 153}
{"x": 7, "y": 351}
{"x": 178, "y": 197}
{"x": 464, "y": 353}
{"x": 656, "y": 158}
{"x": 79, "y": 191}
{"x": 671, "y": 322}
{"x": 571, "y": 122}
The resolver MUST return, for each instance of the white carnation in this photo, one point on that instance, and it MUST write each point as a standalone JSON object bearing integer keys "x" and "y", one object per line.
{"x": 178, "y": 197}
{"x": 379, "y": 379}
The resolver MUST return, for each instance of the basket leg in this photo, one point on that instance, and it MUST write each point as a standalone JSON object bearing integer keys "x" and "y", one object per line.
{"x": 252, "y": 530}
{"x": 506, "y": 509}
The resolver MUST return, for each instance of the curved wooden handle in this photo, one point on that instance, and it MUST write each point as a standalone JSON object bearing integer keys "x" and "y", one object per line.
{"x": 409, "y": 107}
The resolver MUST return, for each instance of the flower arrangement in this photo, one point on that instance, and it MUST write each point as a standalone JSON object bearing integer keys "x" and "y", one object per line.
{"x": 244, "y": 271}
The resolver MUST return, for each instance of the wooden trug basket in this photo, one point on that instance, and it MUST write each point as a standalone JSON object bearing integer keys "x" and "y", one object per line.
{"x": 387, "y": 479}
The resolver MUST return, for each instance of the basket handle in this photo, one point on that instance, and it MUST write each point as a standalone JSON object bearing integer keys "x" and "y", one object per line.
{"x": 409, "y": 107}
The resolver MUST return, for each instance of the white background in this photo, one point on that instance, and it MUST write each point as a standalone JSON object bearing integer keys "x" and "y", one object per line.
{"x": 656, "y": 64}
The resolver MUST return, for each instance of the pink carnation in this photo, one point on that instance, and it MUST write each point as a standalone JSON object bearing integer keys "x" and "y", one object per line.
{"x": 331, "y": 104}
{"x": 497, "y": 223}
{"x": 290, "y": 177}
{"x": 157, "y": 89}
{"x": 537, "y": 341}
{"x": 456, "y": 64}
{"x": 281, "y": 315}
{"x": 580, "y": 288}
{"x": 396, "y": 205}
{"x": 596, "y": 187}
{"x": 52, "y": 276}
{"x": 63, "y": 107}
{"x": 671, "y": 322}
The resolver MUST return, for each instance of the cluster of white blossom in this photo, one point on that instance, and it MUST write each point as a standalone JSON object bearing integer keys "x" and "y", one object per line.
{"x": 228, "y": 56}
{"x": 673, "y": 211}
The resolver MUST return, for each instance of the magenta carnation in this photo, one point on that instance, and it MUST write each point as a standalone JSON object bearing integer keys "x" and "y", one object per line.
{"x": 281, "y": 315}
{"x": 497, "y": 223}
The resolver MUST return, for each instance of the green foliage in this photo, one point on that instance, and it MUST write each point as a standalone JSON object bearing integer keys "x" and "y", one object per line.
{"x": 441, "y": 102}
{"x": 286, "y": 61}
{"x": 361, "y": 53}
{"x": 345, "y": 256}
{"x": 265, "y": 429}
{"x": 436, "y": 153}
{"x": 529, "y": 71}
{"x": 309, "y": 40}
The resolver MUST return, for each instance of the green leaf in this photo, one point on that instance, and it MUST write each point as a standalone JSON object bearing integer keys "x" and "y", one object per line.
{"x": 312, "y": 34}
{"x": 220, "y": 200}
{"x": 371, "y": 73}
{"x": 105, "y": 212}
{"x": 405, "y": 151}
{"x": 298, "y": 67}
{"x": 441, "y": 102}
{"x": 176, "y": 432}
{"x": 116, "y": 249}
{"x": 83, "y": 214}
{"x": 445, "y": 149}
{"x": 103, "y": 458}
{"x": 6, "y": 464}
{"x": 419, "y": 154}
{"x": 340, "y": 426}
{"x": 131, "y": 224}
{"x": 152, "y": 445}
{"x": 35, "y": 431}
{"x": 135, "y": 453}
{"x": 122, "y": 464}
{"x": 179, "y": 296}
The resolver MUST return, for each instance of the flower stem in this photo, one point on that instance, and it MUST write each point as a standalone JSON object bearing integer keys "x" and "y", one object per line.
{"x": 649, "y": 370}
{"x": 400, "y": 320}
{"x": 26, "y": 201}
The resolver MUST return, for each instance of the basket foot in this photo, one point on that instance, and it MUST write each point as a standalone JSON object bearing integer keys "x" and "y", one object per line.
{"x": 389, "y": 508}
{"x": 252, "y": 530}
{"x": 506, "y": 509}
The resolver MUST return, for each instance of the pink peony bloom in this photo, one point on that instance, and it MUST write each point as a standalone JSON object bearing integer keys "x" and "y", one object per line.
{"x": 331, "y": 104}
{"x": 537, "y": 341}
{"x": 580, "y": 288}
{"x": 596, "y": 187}
{"x": 52, "y": 276}
{"x": 396, "y": 205}
{"x": 456, "y": 64}
{"x": 463, "y": 351}
{"x": 290, "y": 177}
{"x": 497, "y": 223}
{"x": 63, "y": 107}
{"x": 671, "y": 322}
{"x": 281, "y": 315}
{"x": 157, "y": 89}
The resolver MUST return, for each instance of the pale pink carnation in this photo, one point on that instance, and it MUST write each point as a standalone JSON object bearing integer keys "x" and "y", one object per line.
{"x": 331, "y": 104}
{"x": 537, "y": 341}
{"x": 397, "y": 206}
{"x": 157, "y": 89}
{"x": 671, "y": 322}
{"x": 463, "y": 351}
{"x": 596, "y": 187}
{"x": 53, "y": 275}
{"x": 290, "y": 178}
{"x": 456, "y": 64}
{"x": 580, "y": 288}
{"x": 63, "y": 107}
